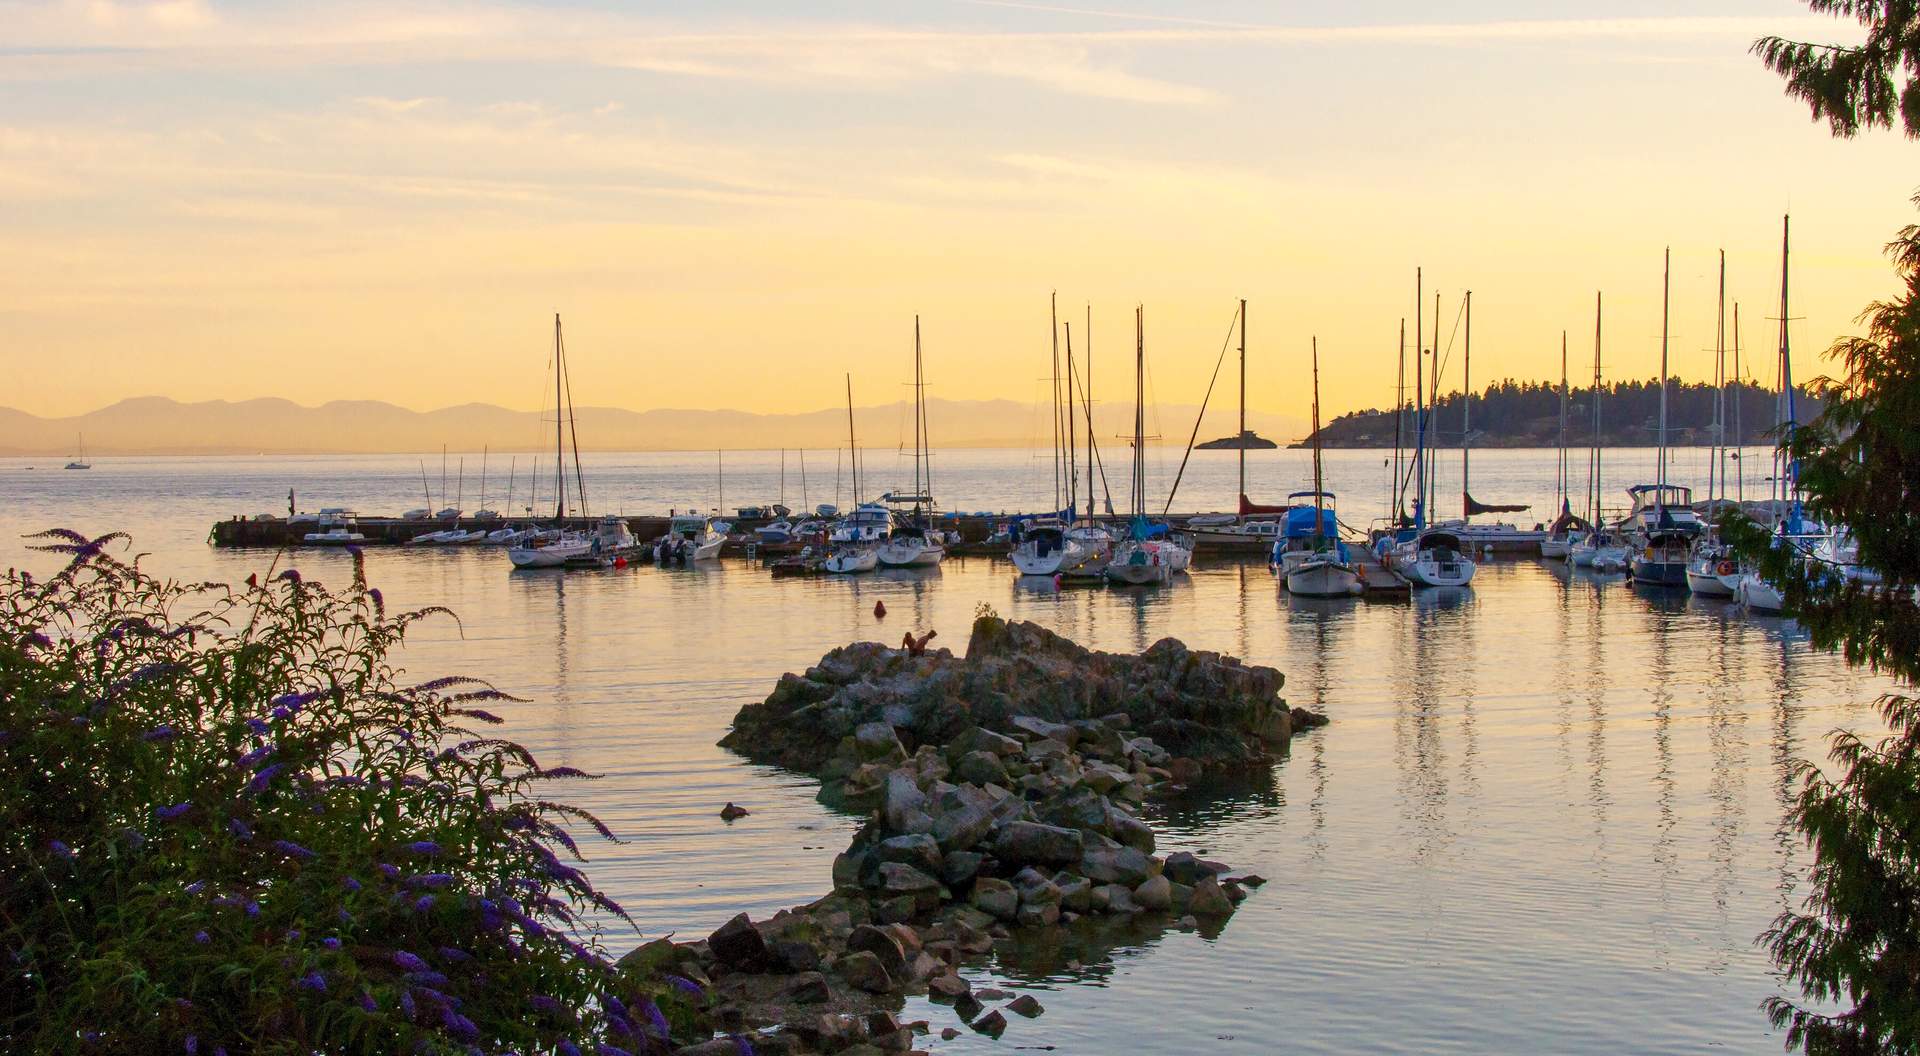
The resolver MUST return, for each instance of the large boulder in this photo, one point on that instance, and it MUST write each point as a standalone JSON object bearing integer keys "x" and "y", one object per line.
{"x": 1031, "y": 843}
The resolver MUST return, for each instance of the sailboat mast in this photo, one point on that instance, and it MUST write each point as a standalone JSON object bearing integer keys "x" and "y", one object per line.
{"x": 926, "y": 438}
{"x": 1073, "y": 433}
{"x": 1088, "y": 381}
{"x": 1319, "y": 529}
{"x": 573, "y": 432}
{"x": 1433, "y": 402}
{"x": 1739, "y": 391}
{"x": 852, "y": 459}
{"x": 483, "y": 476}
{"x": 1719, "y": 464}
{"x": 1666, "y": 276}
{"x": 1139, "y": 419}
{"x": 1594, "y": 484}
{"x": 1053, "y": 332}
{"x": 1399, "y": 419}
{"x": 1790, "y": 475}
{"x": 1243, "y": 398}
{"x": 1466, "y": 412}
{"x": 1419, "y": 407}
{"x": 1561, "y": 469}
{"x": 559, "y": 433}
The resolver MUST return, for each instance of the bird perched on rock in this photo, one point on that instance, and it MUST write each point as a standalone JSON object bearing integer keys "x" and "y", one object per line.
{"x": 879, "y": 610}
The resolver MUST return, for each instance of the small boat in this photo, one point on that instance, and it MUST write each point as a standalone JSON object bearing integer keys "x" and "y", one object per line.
{"x": 1045, "y": 546}
{"x": 870, "y": 522}
{"x": 1211, "y": 520}
{"x": 1140, "y": 560}
{"x": 690, "y": 539}
{"x": 1758, "y": 595}
{"x": 1095, "y": 550}
{"x": 1234, "y": 533}
{"x": 847, "y": 559}
{"x": 1434, "y": 558}
{"x": 1566, "y": 528}
{"x": 1326, "y": 571}
{"x": 1603, "y": 550}
{"x": 338, "y": 528}
{"x": 826, "y": 511}
{"x": 912, "y": 546}
{"x": 1664, "y": 528}
{"x": 1709, "y": 565}
{"x": 79, "y": 460}
{"x": 777, "y": 532}
{"x": 417, "y": 515}
{"x": 916, "y": 544}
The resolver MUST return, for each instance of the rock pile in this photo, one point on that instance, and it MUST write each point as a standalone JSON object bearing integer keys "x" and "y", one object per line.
{"x": 998, "y": 822}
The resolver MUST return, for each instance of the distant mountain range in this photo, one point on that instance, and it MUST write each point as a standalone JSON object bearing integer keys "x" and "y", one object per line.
{"x": 158, "y": 425}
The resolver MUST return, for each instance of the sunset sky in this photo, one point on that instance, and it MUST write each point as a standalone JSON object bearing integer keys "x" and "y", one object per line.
{"x": 733, "y": 203}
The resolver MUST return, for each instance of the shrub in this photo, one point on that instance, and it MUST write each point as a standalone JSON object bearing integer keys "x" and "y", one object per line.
{"x": 227, "y": 826}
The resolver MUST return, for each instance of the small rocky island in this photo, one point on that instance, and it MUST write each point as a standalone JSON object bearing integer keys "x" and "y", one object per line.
{"x": 1001, "y": 790}
{"x": 1248, "y": 440}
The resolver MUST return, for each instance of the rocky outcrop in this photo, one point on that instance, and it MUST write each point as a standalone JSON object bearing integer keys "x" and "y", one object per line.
{"x": 1193, "y": 703}
{"x": 1002, "y": 794}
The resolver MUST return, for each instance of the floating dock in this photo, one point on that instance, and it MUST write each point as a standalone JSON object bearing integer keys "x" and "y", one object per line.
{"x": 1382, "y": 582}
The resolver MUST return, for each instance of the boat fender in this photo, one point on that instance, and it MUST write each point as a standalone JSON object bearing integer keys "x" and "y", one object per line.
{"x": 1724, "y": 568}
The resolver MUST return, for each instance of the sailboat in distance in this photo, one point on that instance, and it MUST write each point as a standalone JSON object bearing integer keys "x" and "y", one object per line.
{"x": 611, "y": 540}
{"x": 80, "y": 454}
{"x": 853, "y": 551}
{"x": 916, "y": 543}
{"x": 1326, "y": 571}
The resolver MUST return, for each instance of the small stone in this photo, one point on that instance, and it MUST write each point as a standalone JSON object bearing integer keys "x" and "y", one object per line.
{"x": 1250, "y": 880}
{"x": 1038, "y": 916}
{"x": 1155, "y": 893}
{"x": 863, "y": 969}
{"x": 896, "y": 910}
{"x": 992, "y": 993}
{"x": 809, "y": 988}
{"x": 995, "y": 896}
{"x": 948, "y": 1033}
{"x": 993, "y": 1024}
{"x": 881, "y": 1022}
{"x": 967, "y": 1006}
{"x": 1188, "y": 923}
{"x": 950, "y": 986}
{"x": 732, "y": 811}
{"x": 1209, "y": 900}
{"x": 1025, "y": 1005}
{"x": 792, "y": 955}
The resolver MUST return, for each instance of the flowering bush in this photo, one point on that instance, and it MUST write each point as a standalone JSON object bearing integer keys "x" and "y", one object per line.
{"x": 227, "y": 826}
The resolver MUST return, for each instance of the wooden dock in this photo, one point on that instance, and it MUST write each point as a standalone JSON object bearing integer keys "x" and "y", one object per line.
{"x": 1382, "y": 582}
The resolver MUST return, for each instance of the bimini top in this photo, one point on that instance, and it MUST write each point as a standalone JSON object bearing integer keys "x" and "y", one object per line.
{"x": 1434, "y": 538}
{"x": 1662, "y": 494}
{"x": 1309, "y": 494}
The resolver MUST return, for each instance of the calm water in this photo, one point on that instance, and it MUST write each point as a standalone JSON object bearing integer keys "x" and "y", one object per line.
{"x": 1547, "y": 816}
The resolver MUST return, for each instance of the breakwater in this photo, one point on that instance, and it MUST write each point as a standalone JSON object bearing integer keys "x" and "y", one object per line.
{"x": 1001, "y": 791}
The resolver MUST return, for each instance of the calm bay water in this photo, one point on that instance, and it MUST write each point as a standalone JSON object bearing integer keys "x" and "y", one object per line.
{"x": 1547, "y": 816}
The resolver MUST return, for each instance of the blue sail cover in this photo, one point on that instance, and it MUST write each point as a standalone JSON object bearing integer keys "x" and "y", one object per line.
{"x": 1300, "y": 523}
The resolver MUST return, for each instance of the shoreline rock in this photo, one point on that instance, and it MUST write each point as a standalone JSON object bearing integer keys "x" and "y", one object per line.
{"x": 1001, "y": 793}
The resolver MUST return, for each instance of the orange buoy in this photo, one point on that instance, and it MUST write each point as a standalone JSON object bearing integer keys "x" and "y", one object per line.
{"x": 619, "y": 562}
{"x": 879, "y": 610}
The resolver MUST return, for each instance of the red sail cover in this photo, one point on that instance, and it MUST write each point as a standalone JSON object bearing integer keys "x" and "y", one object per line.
{"x": 1248, "y": 508}
{"x": 1474, "y": 507}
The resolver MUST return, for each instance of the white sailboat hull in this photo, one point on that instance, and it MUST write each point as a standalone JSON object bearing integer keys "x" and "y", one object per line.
{"x": 1705, "y": 579}
{"x": 910, "y": 553}
{"x": 1323, "y": 579}
{"x": 848, "y": 561}
{"x": 1759, "y": 595}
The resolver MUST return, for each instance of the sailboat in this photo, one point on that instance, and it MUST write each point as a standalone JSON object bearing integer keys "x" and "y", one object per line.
{"x": 1326, "y": 572}
{"x": 1662, "y": 518}
{"x": 1567, "y": 528}
{"x": 852, "y": 552}
{"x": 1434, "y": 555}
{"x": 1253, "y": 526}
{"x": 611, "y": 540}
{"x": 1603, "y": 548}
{"x": 916, "y": 543}
{"x": 1044, "y": 543}
{"x": 1790, "y": 528}
{"x": 1146, "y": 556}
{"x": 1480, "y": 536}
{"x": 80, "y": 454}
{"x": 1710, "y": 559}
{"x": 1093, "y": 541}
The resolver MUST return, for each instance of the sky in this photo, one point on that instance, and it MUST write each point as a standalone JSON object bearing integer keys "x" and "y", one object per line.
{"x": 735, "y": 204}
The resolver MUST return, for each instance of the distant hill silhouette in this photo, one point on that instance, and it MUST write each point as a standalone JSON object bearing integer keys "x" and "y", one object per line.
{"x": 158, "y": 425}
{"x": 1527, "y": 414}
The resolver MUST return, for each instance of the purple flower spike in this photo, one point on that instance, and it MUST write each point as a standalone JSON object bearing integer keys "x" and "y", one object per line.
{"x": 741, "y": 1045}
{"x": 247, "y": 761}
{"x": 543, "y": 1003}
{"x": 686, "y": 985}
{"x": 422, "y": 847}
{"x": 290, "y": 575}
{"x": 282, "y": 712}
{"x": 611, "y": 1050}
{"x": 431, "y": 880}
{"x": 60, "y": 849}
{"x": 378, "y": 599}
{"x": 192, "y": 1044}
{"x": 567, "y": 1048}
{"x": 350, "y": 883}
{"x": 292, "y": 849}
{"x": 367, "y": 1002}
{"x": 313, "y": 981}
{"x": 330, "y": 943}
{"x": 201, "y": 937}
{"x": 240, "y": 829}
{"x": 253, "y": 908}
{"x": 264, "y": 776}
{"x": 454, "y": 955}
{"x": 653, "y": 1016}
{"x": 196, "y": 887}
{"x": 423, "y": 903}
{"x": 170, "y": 813}
{"x": 259, "y": 726}
{"x": 391, "y": 872}
{"x": 162, "y": 732}
{"x": 408, "y": 961}
{"x": 458, "y": 1025}
{"x": 407, "y": 1007}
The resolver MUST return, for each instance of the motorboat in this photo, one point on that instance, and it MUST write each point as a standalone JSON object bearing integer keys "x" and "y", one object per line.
{"x": 690, "y": 539}
{"x": 1603, "y": 550}
{"x": 869, "y": 523}
{"x": 1709, "y": 565}
{"x": 826, "y": 511}
{"x": 339, "y": 528}
{"x": 777, "y": 532}
{"x": 1663, "y": 526}
{"x": 1235, "y": 534}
